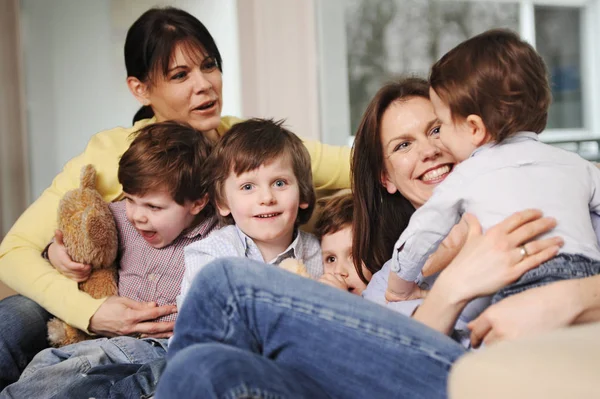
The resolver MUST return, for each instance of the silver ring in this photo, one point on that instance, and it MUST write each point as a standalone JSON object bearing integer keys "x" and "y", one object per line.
{"x": 524, "y": 252}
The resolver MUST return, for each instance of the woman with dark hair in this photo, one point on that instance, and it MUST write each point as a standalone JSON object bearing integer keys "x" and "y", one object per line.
{"x": 174, "y": 69}
{"x": 247, "y": 330}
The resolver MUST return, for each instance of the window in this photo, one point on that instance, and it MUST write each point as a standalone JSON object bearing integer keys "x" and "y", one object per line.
{"x": 384, "y": 39}
{"x": 557, "y": 38}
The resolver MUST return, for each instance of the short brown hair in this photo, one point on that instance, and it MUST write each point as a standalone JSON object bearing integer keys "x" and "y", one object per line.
{"x": 255, "y": 142}
{"x": 168, "y": 156}
{"x": 498, "y": 77}
{"x": 335, "y": 214}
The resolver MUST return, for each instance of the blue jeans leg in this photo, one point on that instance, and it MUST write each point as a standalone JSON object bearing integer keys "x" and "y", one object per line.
{"x": 119, "y": 381}
{"x": 76, "y": 370}
{"x": 346, "y": 346}
{"x": 223, "y": 371}
{"x": 22, "y": 335}
{"x": 561, "y": 267}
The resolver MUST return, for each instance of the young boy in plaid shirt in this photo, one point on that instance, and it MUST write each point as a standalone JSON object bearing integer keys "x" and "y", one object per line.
{"x": 165, "y": 208}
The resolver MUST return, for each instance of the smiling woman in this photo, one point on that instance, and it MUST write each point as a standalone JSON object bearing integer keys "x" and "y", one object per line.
{"x": 399, "y": 164}
{"x": 414, "y": 164}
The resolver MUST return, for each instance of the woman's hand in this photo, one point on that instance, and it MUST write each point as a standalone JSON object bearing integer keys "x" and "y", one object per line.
{"x": 60, "y": 259}
{"x": 488, "y": 262}
{"x": 530, "y": 312}
{"x": 124, "y": 316}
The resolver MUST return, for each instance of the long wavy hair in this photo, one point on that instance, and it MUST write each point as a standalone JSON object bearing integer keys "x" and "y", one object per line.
{"x": 379, "y": 217}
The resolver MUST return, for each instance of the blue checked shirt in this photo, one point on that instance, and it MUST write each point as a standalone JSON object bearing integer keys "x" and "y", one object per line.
{"x": 498, "y": 180}
{"x": 231, "y": 241}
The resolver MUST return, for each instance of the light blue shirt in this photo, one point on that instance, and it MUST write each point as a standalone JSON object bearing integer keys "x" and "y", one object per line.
{"x": 375, "y": 292}
{"x": 231, "y": 241}
{"x": 499, "y": 180}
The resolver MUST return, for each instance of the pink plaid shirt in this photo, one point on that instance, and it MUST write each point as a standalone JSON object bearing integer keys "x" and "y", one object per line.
{"x": 148, "y": 274}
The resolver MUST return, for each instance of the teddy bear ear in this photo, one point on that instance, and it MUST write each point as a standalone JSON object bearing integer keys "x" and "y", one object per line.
{"x": 88, "y": 177}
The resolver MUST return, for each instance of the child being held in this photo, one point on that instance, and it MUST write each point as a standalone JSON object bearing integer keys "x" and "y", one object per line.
{"x": 260, "y": 181}
{"x": 165, "y": 209}
{"x": 334, "y": 229}
{"x": 491, "y": 96}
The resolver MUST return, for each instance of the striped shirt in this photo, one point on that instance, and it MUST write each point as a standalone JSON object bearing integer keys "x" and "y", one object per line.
{"x": 231, "y": 241}
{"x": 148, "y": 274}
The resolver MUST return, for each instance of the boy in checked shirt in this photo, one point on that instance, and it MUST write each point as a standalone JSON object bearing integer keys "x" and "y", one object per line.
{"x": 165, "y": 208}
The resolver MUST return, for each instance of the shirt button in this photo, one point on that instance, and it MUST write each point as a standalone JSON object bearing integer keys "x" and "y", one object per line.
{"x": 151, "y": 277}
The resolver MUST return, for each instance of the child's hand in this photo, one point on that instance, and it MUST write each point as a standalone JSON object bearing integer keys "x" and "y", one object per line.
{"x": 402, "y": 290}
{"x": 334, "y": 281}
{"x": 60, "y": 259}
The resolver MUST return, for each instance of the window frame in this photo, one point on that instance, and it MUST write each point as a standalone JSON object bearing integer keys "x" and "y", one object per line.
{"x": 333, "y": 68}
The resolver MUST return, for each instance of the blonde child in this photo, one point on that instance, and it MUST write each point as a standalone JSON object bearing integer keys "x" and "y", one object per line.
{"x": 491, "y": 96}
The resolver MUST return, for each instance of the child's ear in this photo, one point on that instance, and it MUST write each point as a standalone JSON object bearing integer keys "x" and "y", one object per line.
{"x": 223, "y": 210}
{"x": 387, "y": 183}
{"x": 198, "y": 205}
{"x": 303, "y": 205}
{"x": 479, "y": 133}
{"x": 139, "y": 90}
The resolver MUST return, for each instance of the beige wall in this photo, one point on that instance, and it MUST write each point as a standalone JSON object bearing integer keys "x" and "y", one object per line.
{"x": 278, "y": 54}
{"x": 13, "y": 161}
{"x": 13, "y": 165}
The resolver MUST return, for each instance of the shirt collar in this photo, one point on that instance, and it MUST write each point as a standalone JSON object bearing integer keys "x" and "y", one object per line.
{"x": 292, "y": 251}
{"x": 516, "y": 138}
{"x": 201, "y": 229}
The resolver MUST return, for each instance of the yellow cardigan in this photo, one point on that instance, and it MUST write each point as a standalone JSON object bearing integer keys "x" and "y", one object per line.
{"x": 23, "y": 269}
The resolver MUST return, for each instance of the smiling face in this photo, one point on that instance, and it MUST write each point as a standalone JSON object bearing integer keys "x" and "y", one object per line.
{"x": 264, "y": 203}
{"x": 336, "y": 249}
{"x": 191, "y": 91}
{"x": 454, "y": 134}
{"x": 158, "y": 218}
{"x": 415, "y": 161}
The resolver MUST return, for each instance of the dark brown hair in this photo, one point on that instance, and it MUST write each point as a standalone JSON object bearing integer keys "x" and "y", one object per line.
{"x": 168, "y": 156}
{"x": 255, "y": 142}
{"x": 152, "y": 39}
{"x": 379, "y": 217}
{"x": 498, "y": 77}
{"x": 335, "y": 213}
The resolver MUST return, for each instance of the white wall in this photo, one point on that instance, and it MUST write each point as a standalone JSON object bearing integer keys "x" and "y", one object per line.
{"x": 75, "y": 73}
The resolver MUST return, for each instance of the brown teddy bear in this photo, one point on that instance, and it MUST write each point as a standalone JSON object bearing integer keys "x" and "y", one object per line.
{"x": 90, "y": 237}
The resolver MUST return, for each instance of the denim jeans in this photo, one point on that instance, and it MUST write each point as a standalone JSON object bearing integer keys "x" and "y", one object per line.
{"x": 118, "y": 381}
{"x": 89, "y": 369}
{"x": 250, "y": 330}
{"x": 22, "y": 335}
{"x": 561, "y": 267}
